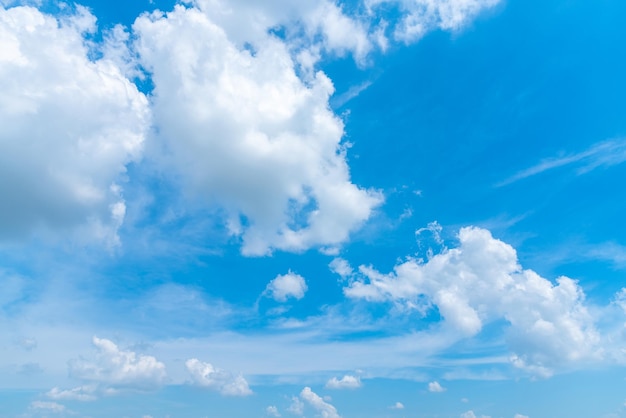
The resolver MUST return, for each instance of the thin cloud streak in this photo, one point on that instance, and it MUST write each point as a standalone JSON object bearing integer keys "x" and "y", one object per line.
{"x": 605, "y": 153}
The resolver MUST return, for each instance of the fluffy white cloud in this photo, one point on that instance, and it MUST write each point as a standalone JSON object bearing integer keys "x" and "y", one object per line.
{"x": 70, "y": 124}
{"x": 481, "y": 281}
{"x": 397, "y": 405}
{"x": 346, "y": 382}
{"x": 272, "y": 411}
{"x": 435, "y": 387}
{"x": 286, "y": 286}
{"x": 118, "y": 368}
{"x": 226, "y": 383}
{"x": 422, "y": 16}
{"x": 468, "y": 414}
{"x": 325, "y": 409}
{"x": 311, "y": 26}
{"x": 247, "y": 134}
{"x": 520, "y": 416}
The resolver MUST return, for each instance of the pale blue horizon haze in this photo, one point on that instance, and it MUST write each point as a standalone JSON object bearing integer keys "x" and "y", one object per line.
{"x": 315, "y": 208}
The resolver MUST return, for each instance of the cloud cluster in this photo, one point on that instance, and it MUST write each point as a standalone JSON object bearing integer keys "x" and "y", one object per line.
{"x": 226, "y": 383}
{"x": 481, "y": 281}
{"x": 246, "y": 133}
{"x": 70, "y": 124}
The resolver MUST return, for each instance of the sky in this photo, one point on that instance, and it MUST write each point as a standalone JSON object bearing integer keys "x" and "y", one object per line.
{"x": 314, "y": 208}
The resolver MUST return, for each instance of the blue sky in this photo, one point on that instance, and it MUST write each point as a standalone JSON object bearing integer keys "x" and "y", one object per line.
{"x": 369, "y": 208}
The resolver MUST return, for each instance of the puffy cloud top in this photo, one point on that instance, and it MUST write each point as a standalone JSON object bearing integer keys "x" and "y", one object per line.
{"x": 247, "y": 134}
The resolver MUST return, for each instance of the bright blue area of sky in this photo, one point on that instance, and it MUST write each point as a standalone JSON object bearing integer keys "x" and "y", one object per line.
{"x": 444, "y": 121}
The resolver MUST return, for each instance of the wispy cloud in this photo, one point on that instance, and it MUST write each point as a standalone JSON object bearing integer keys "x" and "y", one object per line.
{"x": 602, "y": 154}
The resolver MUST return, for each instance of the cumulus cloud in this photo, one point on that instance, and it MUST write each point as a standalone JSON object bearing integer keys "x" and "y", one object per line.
{"x": 286, "y": 286}
{"x": 346, "y": 382}
{"x": 397, "y": 405}
{"x": 422, "y": 16}
{"x": 117, "y": 368}
{"x": 435, "y": 387}
{"x": 272, "y": 411}
{"x": 311, "y": 26}
{"x": 468, "y": 414}
{"x": 481, "y": 281}
{"x": 70, "y": 124}
{"x": 245, "y": 133}
{"x": 520, "y": 416}
{"x": 226, "y": 383}
{"x": 325, "y": 409}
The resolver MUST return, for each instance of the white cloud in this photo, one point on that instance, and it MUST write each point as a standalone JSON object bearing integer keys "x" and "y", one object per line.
{"x": 69, "y": 126}
{"x": 341, "y": 267}
{"x": 520, "y": 416}
{"x": 247, "y": 134}
{"x": 468, "y": 414}
{"x": 297, "y": 406}
{"x": 435, "y": 387}
{"x": 311, "y": 26}
{"x": 481, "y": 281}
{"x": 346, "y": 382}
{"x": 81, "y": 393}
{"x": 118, "y": 368}
{"x": 325, "y": 409}
{"x": 422, "y": 16}
{"x": 226, "y": 383}
{"x": 397, "y": 405}
{"x": 286, "y": 286}
{"x": 272, "y": 411}
{"x": 48, "y": 406}
{"x": 602, "y": 154}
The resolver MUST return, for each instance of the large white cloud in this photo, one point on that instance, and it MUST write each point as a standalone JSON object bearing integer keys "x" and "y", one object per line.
{"x": 481, "y": 281}
{"x": 70, "y": 124}
{"x": 226, "y": 383}
{"x": 246, "y": 133}
{"x": 114, "y": 368}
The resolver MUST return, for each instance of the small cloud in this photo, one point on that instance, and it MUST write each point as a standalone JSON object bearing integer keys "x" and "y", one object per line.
{"x": 346, "y": 382}
{"x": 28, "y": 344}
{"x": 226, "y": 383}
{"x": 520, "y": 416}
{"x": 30, "y": 369}
{"x": 272, "y": 411}
{"x": 468, "y": 414}
{"x": 116, "y": 367}
{"x": 397, "y": 405}
{"x": 435, "y": 387}
{"x": 464, "y": 400}
{"x": 48, "y": 406}
{"x": 81, "y": 393}
{"x": 314, "y": 400}
{"x": 341, "y": 267}
{"x": 286, "y": 286}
